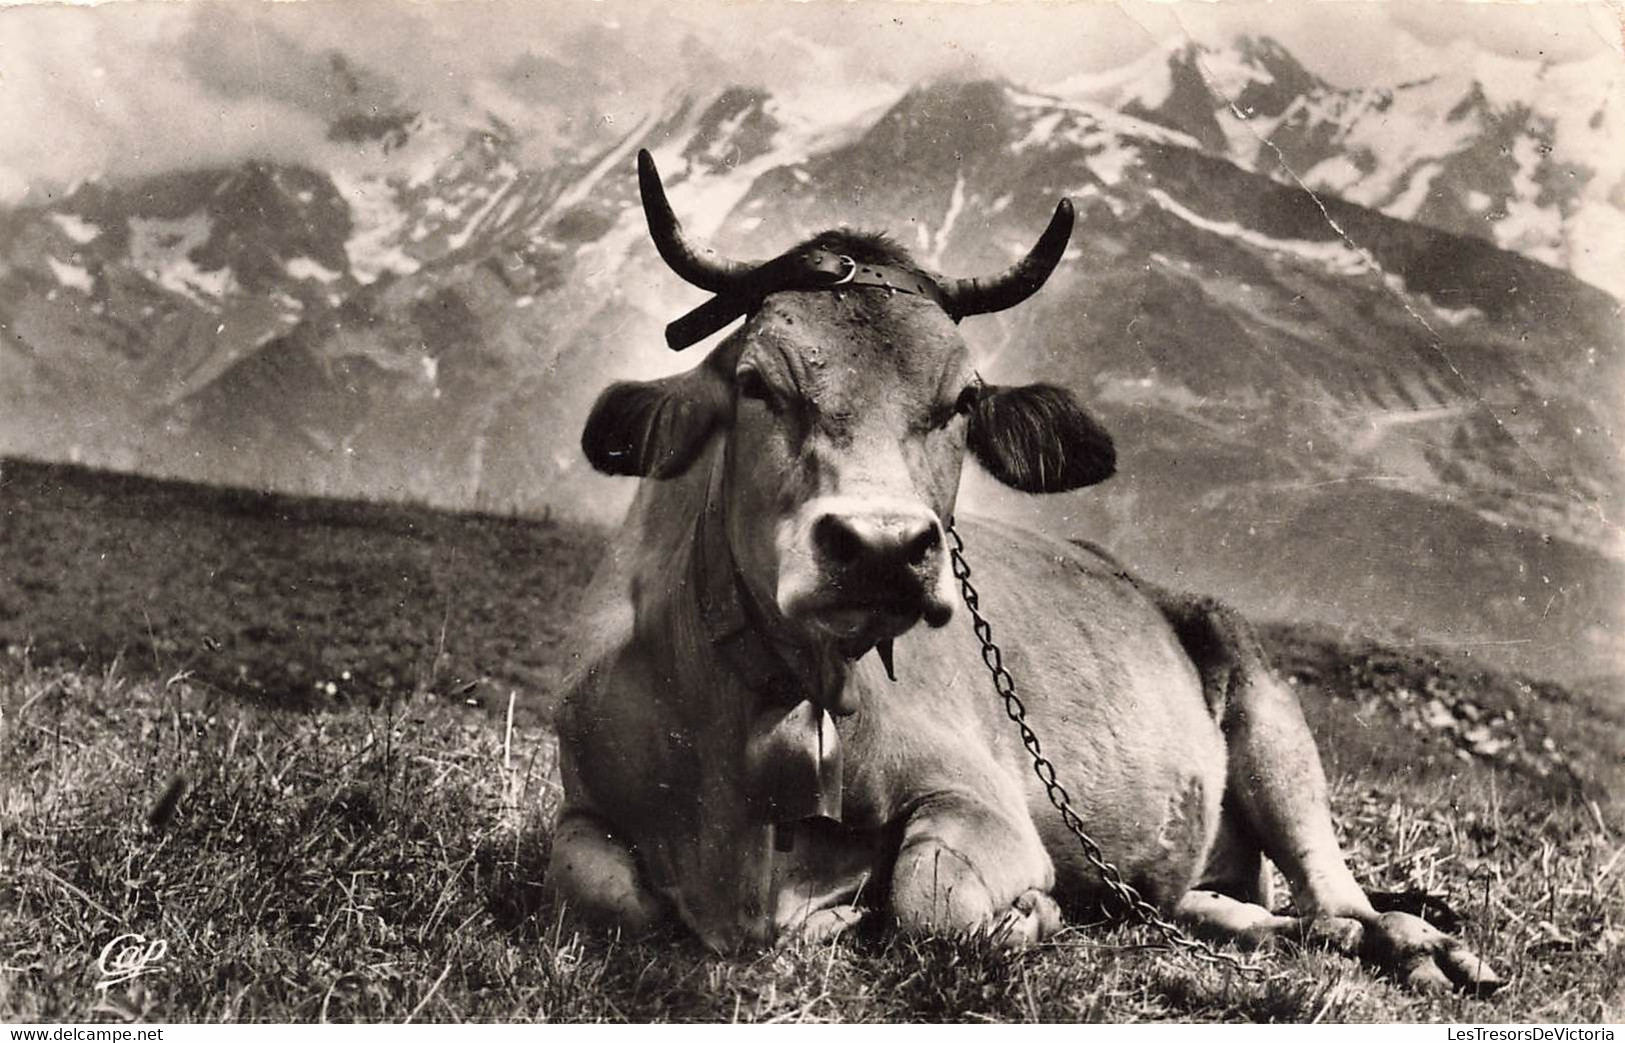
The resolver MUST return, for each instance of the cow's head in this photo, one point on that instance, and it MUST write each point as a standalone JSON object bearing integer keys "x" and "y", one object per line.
{"x": 847, "y": 402}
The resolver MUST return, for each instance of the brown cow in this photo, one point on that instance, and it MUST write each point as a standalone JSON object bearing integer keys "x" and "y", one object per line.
{"x": 732, "y": 756}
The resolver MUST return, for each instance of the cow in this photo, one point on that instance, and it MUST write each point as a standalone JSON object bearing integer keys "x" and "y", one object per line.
{"x": 779, "y": 723}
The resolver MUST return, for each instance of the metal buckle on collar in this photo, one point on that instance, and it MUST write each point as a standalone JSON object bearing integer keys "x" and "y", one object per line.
{"x": 819, "y": 270}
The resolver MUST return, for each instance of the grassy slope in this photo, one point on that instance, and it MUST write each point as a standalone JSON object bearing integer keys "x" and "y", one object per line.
{"x": 375, "y": 853}
{"x": 276, "y": 596}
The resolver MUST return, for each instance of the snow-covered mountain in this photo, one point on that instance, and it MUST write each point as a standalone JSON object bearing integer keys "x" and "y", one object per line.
{"x": 1529, "y": 155}
{"x": 427, "y": 255}
{"x": 1322, "y": 410}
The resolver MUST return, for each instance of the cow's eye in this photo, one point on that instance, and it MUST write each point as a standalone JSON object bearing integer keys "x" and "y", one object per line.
{"x": 751, "y": 384}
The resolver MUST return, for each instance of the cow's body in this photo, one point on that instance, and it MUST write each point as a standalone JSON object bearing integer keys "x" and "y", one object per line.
{"x": 735, "y": 755}
{"x": 652, "y": 722}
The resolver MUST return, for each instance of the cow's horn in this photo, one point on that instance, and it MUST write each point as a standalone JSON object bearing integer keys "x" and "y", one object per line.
{"x": 980, "y": 296}
{"x": 698, "y": 264}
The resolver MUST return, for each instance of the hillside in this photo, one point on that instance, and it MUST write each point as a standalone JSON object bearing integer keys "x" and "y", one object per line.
{"x": 357, "y": 835}
{"x": 285, "y": 601}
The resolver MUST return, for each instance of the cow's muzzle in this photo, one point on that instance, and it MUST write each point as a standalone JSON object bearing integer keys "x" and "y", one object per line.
{"x": 875, "y": 573}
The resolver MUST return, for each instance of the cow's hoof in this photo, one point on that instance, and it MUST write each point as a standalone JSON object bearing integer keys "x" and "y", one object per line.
{"x": 1031, "y": 918}
{"x": 828, "y": 924}
{"x": 1425, "y": 957}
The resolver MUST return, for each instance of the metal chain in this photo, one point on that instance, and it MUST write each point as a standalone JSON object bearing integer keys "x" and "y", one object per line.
{"x": 1128, "y": 898}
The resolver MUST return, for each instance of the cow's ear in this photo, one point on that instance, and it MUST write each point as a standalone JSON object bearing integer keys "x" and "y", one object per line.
{"x": 655, "y": 428}
{"x": 1037, "y": 438}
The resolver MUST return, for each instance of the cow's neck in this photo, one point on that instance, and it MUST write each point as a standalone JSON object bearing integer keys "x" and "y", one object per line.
{"x": 792, "y": 752}
{"x": 775, "y": 664}
{"x": 763, "y": 755}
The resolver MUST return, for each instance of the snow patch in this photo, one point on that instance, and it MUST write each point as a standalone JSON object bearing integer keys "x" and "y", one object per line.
{"x": 1456, "y": 316}
{"x": 1333, "y": 174}
{"x": 956, "y": 203}
{"x": 1092, "y": 123}
{"x": 1040, "y": 133}
{"x": 71, "y": 276}
{"x": 723, "y": 150}
{"x": 1397, "y": 133}
{"x": 423, "y": 170}
{"x": 1110, "y": 161}
{"x": 161, "y": 250}
{"x": 442, "y": 209}
{"x": 509, "y": 208}
{"x": 1529, "y": 228}
{"x": 1244, "y": 135}
{"x": 373, "y": 248}
{"x": 1597, "y": 246}
{"x": 1228, "y": 73}
{"x": 1416, "y": 191}
{"x": 76, "y": 228}
{"x": 1333, "y": 255}
{"x": 509, "y": 175}
{"x": 305, "y": 268}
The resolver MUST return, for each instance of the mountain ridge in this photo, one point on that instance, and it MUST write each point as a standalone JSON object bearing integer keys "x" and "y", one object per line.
{"x": 1524, "y": 154}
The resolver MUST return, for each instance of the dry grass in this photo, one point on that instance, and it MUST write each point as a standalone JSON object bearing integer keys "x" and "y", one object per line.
{"x": 375, "y": 855}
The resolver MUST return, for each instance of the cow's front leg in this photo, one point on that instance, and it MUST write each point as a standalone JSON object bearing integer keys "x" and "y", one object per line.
{"x": 967, "y": 867}
{"x": 595, "y": 873}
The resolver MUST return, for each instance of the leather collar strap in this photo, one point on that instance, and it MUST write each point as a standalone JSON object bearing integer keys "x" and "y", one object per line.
{"x": 792, "y": 756}
{"x": 731, "y": 625}
{"x": 816, "y": 269}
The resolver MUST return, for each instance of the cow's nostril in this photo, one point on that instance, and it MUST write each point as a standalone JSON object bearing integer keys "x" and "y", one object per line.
{"x": 920, "y": 547}
{"x": 881, "y": 542}
{"x": 837, "y": 541}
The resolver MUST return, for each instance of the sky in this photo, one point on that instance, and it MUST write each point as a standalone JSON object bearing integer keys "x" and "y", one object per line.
{"x": 138, "y": 87}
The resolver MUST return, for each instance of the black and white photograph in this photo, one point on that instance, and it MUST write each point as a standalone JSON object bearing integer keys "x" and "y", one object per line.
{"x": 812, "y": 511}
